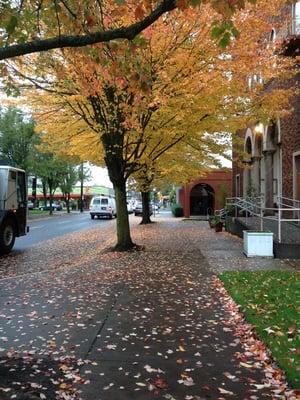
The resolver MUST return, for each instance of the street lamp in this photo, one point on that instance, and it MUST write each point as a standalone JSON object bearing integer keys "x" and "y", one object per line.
{"x": 259, "y": 128}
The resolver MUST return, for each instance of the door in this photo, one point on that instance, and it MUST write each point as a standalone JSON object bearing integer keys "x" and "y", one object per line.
{"x": 298, "y": 185}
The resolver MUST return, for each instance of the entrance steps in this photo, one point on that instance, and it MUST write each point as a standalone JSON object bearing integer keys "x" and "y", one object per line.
{"x": 197, "y": 218}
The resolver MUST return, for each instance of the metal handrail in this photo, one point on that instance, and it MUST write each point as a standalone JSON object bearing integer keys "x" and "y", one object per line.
{"x": 258, "y": 211}
{"x": 284, "y": 200}
{"x": 295, "y": 205}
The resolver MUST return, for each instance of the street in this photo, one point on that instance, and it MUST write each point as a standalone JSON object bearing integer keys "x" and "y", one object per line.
{"x": 58, "y": 225}
{"x": 44, "y": 228}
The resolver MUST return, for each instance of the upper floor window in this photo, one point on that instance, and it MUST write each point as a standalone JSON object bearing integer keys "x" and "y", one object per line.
{"x": 296, "y": 18}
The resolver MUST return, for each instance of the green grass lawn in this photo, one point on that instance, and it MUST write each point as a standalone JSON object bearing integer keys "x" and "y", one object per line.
{"x": 38, "y": 212}
{"x": 271, "y": 302}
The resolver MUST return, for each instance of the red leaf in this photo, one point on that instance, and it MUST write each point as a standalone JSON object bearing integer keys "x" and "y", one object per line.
{"x": 161, "y": 383}
{"x": 139, "y": 12}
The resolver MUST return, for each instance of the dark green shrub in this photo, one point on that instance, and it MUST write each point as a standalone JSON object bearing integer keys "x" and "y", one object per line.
{"x": 177, "y": 210}
{"x": 230, "y": 210}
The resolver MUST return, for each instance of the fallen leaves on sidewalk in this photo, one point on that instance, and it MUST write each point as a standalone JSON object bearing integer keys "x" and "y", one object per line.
{"x": 145, "y": 323}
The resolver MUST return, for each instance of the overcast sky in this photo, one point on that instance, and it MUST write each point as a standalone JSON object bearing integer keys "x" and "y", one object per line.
{"x": 99, "y": 177}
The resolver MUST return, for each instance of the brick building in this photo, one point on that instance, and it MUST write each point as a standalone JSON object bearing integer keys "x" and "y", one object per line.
{"x": 271, "y": 164}
{"x": 206, "y": 194}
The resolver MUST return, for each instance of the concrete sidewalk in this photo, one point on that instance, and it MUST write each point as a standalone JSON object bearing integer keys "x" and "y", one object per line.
{"x": 138, "y": 326}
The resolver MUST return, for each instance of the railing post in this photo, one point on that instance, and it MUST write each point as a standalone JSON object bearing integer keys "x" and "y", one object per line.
{"x": 261, "y": 220}
{"x": 279, "y": 225}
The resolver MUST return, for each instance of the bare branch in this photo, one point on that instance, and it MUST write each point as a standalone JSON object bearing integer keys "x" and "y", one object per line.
{"x": 69, "y": 9}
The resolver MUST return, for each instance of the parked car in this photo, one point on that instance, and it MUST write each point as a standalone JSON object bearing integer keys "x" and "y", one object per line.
{"x": 155, "y": 207}
{"x": 55, "y": 207}
{"x": 138, "y": 210}
{"x": 30, "y": 205}
{"x": 103, "y": 206}
{"x": 131, "y": 206}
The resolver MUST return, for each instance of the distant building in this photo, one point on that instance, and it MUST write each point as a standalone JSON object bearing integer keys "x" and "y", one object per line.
{"x": 206, "y": 194}
{"x": 88, "y": 193}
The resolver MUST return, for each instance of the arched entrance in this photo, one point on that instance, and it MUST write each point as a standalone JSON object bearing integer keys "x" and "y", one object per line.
{"x": 202, "y": 200}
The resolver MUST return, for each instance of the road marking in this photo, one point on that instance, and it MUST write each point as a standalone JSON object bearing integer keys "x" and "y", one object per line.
{"x": 36, "y": 227}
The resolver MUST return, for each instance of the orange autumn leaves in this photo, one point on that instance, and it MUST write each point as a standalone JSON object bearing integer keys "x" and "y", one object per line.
{"x": 158, "y": 87}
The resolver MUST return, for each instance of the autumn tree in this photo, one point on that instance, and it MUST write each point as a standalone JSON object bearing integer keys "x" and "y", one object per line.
{"x": 27, "y": 26}
{"x": 115, "y": 102}
{"x": 17, "y": 138}
{"x": 180, "y": 162}
{"x": 49, "y": 168}
{"x": 69, "y": 176}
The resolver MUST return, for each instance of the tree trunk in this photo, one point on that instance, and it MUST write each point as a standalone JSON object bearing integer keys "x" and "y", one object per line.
{"x": 44, "y": 193}
{"x": 124, "y": 242}
{"x": 114, "y": 159}
{"x": 68, "y": 203}
{"x": 146, "y": 208}
{"x": 51, "y": 197}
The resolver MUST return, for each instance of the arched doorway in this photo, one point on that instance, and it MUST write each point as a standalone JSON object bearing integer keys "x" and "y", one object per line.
{"x": 202, "y": 200}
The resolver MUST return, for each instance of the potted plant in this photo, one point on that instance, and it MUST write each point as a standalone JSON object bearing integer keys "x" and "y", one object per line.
{"x": 211, "y": 221}
{"x": 218, "y": 224}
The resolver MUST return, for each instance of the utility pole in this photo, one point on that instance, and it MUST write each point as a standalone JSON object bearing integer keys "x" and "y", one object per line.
{"x": 81, "y": 187}
{"x": 33, "y": 192}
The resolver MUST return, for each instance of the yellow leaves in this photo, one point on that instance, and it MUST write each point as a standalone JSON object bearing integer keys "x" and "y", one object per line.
{"x": 171, "y": 83}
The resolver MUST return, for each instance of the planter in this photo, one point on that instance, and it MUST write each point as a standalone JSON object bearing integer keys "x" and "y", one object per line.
{"x": 211, "y": 222}
{"x": 219, "y": 226}
{"x": 258, "y": 244}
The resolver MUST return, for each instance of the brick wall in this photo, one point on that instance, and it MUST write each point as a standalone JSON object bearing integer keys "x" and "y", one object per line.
{"x": 216, "y": 179}
{"x": 290, "y": 138}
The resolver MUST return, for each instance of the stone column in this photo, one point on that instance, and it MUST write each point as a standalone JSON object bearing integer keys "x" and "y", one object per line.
{"x": 269, "y": 174}
{"x": 246, "y": 177}
{"x": 256, "y": 174}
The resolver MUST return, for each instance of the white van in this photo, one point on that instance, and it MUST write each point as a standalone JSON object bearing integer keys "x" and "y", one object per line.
{"x": 103, "y": 206}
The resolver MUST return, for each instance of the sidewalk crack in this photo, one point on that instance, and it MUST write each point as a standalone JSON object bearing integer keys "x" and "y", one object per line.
{"x": 98, "y": 333}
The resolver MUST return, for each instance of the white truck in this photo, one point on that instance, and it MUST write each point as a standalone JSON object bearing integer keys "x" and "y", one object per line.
{"x": 13, "y": 206}
{"x": 103, "y": 206}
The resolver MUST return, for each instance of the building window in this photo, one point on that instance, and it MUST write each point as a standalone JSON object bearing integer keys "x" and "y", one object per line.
{"x": 296, "y": 19}
{"x": 273, "y": 35}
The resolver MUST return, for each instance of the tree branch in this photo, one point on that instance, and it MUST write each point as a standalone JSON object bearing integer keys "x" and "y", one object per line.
{"x": 129, "y": 32}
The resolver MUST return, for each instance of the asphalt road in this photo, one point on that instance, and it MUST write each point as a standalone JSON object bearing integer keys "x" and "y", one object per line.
{"x": 46, "y": 228}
